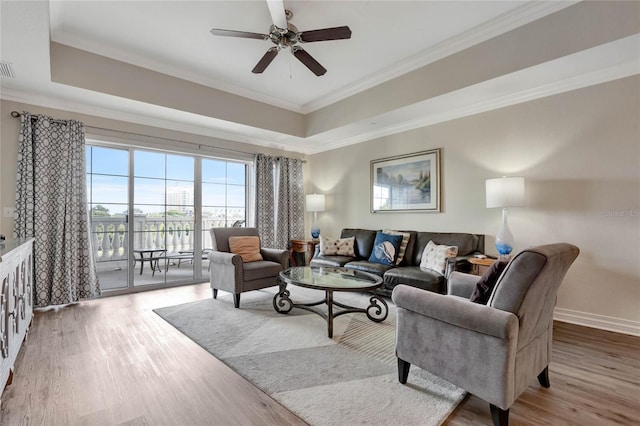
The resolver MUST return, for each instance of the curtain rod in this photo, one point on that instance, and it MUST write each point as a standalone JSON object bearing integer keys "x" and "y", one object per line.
{"x": 16, "y": 114}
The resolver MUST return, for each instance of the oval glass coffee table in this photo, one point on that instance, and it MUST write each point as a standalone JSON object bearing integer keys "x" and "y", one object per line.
{"x": 331, "y": 280}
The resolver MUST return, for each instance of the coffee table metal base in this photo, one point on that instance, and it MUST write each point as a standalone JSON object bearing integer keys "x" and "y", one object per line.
{"x": 377, "y": 310}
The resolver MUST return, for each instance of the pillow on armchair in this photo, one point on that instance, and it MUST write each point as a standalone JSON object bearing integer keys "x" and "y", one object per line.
{"x": 484, "y": 287}
{"x": 247, "y": 247}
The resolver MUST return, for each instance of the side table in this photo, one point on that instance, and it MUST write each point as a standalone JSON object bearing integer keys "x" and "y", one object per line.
{"x": 301, "y": 251}
{"x": 479, "y": 266}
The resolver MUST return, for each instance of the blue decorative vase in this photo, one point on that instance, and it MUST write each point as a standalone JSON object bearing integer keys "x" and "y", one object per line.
{"x": 504, "y": 238}
{"x": 315, "y": 232}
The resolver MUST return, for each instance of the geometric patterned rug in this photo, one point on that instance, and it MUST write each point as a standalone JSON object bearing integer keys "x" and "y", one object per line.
{"x": 348, "y": 379}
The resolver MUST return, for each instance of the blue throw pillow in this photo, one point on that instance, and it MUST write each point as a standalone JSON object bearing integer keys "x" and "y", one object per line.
{"x": 386, "y": 249}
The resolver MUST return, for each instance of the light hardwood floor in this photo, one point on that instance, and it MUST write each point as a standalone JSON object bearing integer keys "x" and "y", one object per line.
{"x": 113, "y": 361}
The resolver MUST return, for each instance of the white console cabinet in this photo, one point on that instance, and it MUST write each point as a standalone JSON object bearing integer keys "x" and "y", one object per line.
{"x": 16, "y": 302}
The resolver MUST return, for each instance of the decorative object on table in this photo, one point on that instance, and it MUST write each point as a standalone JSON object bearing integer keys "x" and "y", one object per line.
{"x": 315, "y": 204}
{"x": 505, "y": 192}
{"x": 406, "y": 182}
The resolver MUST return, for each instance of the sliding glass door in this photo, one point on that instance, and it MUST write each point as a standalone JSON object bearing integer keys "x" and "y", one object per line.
{"x": 108, "y": 196}
{"x": 151, "y": 213}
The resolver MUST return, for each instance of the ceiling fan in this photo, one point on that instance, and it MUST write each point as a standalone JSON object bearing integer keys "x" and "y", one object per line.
{"x": 285, "y": 35}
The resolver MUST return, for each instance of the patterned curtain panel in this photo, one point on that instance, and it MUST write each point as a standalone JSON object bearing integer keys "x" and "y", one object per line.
{"x": 51, "y": 206}
{"x": 265, "y": 206}
{"x": 290, "y": 202}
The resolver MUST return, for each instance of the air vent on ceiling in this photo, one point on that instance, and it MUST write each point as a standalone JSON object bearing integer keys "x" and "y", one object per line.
{"x": 6, "y": 69}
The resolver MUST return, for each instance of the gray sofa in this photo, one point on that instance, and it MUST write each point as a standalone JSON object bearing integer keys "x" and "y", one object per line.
{"x": 408, "y": 272}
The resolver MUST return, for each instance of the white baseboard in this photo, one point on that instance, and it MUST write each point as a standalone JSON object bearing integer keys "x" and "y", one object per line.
{"x": 618, "y": 325}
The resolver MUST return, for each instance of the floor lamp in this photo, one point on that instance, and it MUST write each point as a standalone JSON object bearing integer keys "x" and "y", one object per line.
{"x": 505, "y": 192}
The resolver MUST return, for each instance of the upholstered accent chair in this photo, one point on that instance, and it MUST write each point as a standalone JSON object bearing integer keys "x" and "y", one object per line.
{"x": 493, "y": 351}
{"x": 230, "y": 273}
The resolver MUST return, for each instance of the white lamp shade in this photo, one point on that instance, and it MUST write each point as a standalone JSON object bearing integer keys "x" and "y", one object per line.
{"x": 315, "y": 202}
{"x": 505, "y": 192}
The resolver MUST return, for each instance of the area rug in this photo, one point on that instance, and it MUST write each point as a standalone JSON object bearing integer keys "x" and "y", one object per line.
{"x": 345, "y": 380}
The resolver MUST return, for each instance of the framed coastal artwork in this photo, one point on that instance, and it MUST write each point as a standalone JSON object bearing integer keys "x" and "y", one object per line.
{"x": 409, "y": 182}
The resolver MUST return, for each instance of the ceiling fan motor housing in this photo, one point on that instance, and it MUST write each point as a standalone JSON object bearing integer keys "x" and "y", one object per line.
{"x": 284, "y": 39}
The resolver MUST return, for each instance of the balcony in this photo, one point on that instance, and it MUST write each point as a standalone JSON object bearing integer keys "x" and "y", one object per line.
{"x": 169, "y": 240}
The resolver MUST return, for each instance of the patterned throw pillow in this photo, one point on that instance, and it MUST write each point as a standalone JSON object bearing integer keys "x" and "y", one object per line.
{"x": 403, "y": 245}
{"x": 340, "y": 247}
{"x": 385, "y": 249}
{"x": 247, "y": 247}
{"x": 435, "y": 256}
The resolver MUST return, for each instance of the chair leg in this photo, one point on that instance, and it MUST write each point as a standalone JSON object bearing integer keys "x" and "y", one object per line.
{"x": 499, "y": 416}
{"x": 543, "y": 377}
{"x": 403, "y": 370}
{"x": 215, "y": 293}
{"x": 236, "y": 300}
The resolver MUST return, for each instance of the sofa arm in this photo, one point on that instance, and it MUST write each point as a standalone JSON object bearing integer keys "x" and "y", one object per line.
{"x": 457, "y": 312}
{"x": 456, "y": 264}
{"x": 461, "y": 284}
{"x": 222, "y": 257}
{"x": 276, "y": 255}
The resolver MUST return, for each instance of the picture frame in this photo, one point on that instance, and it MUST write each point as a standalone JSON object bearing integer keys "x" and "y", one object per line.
{"x": 406, "y": 183}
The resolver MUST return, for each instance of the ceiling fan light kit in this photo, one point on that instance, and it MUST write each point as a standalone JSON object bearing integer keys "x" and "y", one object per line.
{"x": 288, "y": 37}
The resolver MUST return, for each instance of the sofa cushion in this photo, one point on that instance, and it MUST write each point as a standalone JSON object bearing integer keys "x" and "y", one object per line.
{"x": 334, "y": 261}
{"x": 403, "y": 245}
{"x": 386, "y": 249}
{"x": 435, "y": 256}
{"x": 366, "y": 266}
{"x": 364, "y": 240}
{"x": 340, "y": 247}
{"x": 260, "y": 270}
{"x": 487, "y": 282}
{"x": 248, "y": 247}
{"x": 425, "y": 279}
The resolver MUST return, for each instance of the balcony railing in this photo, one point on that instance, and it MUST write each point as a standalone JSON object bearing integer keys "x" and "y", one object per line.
{"x": 173, "y": 234}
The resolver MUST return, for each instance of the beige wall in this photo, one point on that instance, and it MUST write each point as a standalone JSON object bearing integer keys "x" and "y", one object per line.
{"x": 142, "y": 135}
{"x": 580, "y": 154}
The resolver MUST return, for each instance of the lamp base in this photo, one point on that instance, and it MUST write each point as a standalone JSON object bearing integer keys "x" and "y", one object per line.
{"x": 504, "y": 238}
{"x": 315, "y": 232}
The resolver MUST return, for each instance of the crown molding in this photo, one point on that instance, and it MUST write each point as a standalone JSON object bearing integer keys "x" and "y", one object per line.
{"x": 144, "y": 119}
{"x": 500, "y": 25}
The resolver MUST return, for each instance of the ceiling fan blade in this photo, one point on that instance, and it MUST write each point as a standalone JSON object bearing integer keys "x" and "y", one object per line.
{"x": 278, "y": 15}
{"x": 242, "y": 34}
{"x": 336, "y": 33}
{"x": 308, "y": 61}
{"x": 264, "y": 62}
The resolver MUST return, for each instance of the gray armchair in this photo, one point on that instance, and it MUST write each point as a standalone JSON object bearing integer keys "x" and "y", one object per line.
{"x": 230, "y": 273}
{"x": 493, "y": 351}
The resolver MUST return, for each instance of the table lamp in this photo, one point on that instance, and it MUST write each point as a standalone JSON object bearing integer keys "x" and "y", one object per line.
{"x": 505, "y": 192}
{"x": 315, "y": 204}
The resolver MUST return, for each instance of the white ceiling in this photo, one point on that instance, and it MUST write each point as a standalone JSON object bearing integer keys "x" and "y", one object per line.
{"x": 389, "y": 38}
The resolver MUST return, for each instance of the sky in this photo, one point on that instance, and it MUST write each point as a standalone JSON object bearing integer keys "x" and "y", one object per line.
{"x": 155, "y": 175}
